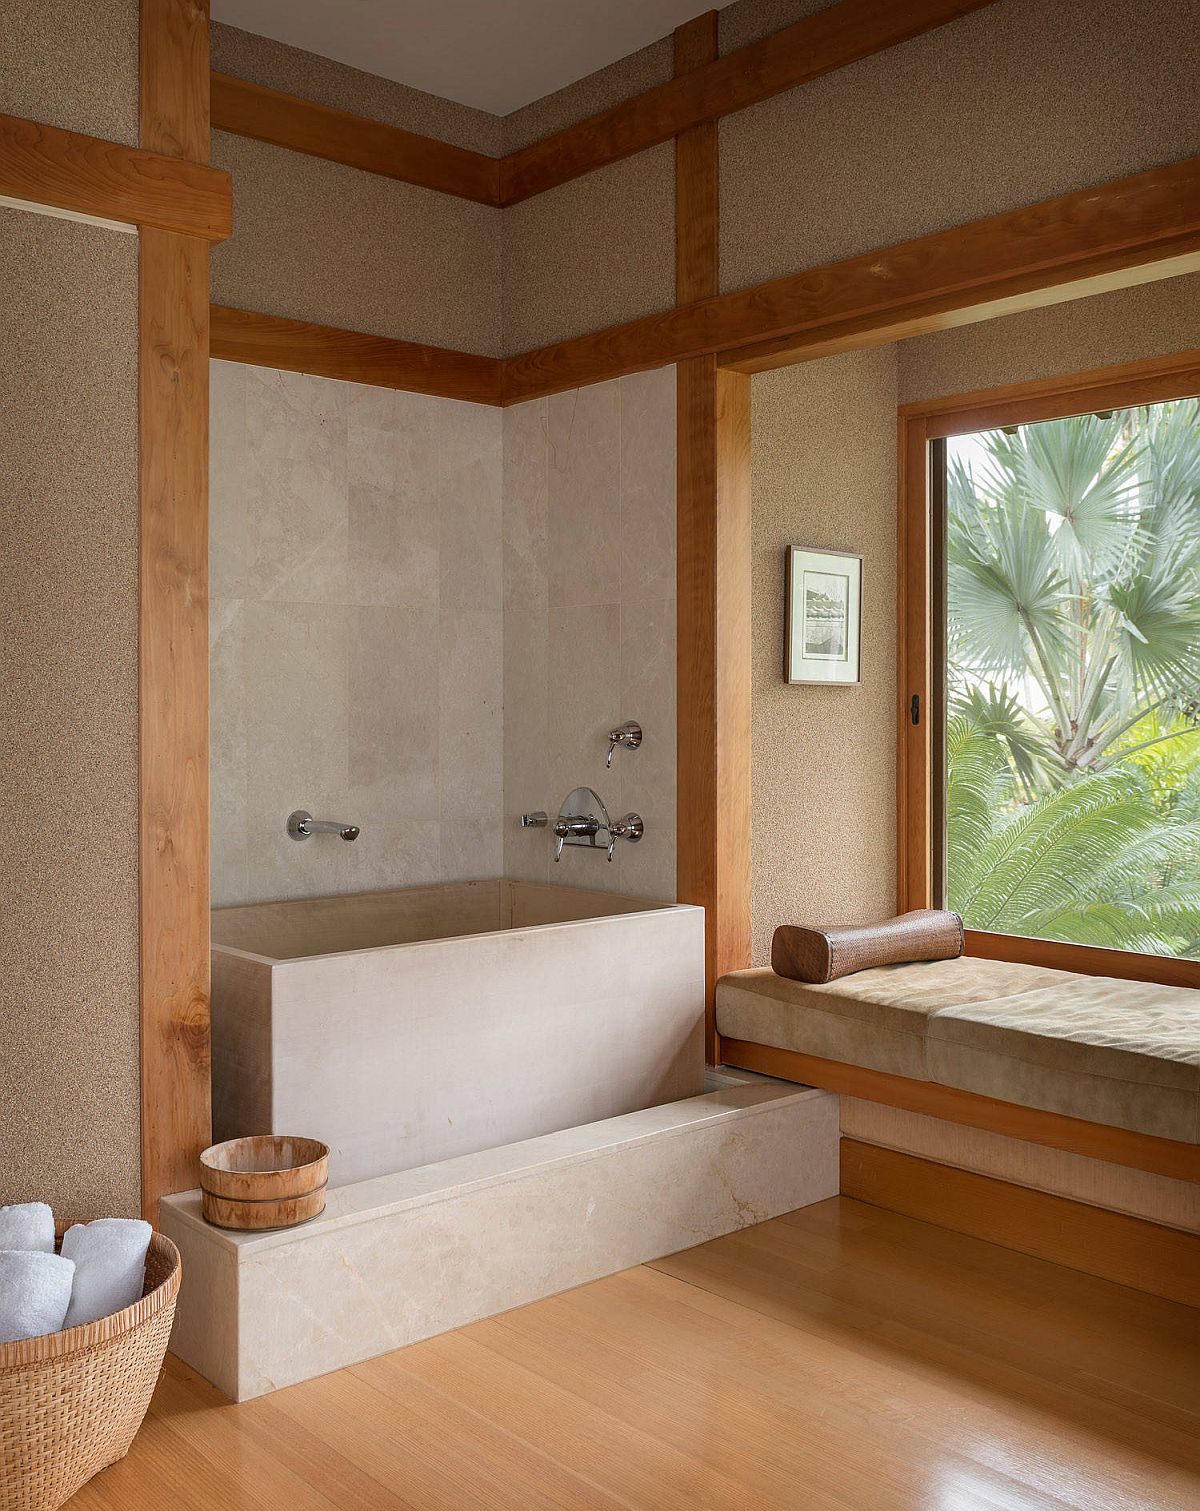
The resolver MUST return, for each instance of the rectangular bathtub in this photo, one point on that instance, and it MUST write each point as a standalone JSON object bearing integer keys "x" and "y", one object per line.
{"x": 418, "y": 1025}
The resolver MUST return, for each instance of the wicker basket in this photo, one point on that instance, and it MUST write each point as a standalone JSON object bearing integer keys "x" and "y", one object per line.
{"x": 71, "y": 1402}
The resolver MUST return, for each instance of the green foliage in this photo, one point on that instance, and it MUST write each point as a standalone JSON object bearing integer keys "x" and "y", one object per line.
{"x": 1073, "y": 742}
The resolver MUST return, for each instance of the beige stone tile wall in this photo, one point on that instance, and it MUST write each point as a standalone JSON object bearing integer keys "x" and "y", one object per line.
{"x": 356, "y": 634}
{"x": 589, "y": 623}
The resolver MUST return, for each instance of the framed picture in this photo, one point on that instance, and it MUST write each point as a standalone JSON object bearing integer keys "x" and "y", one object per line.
{"x": 824, "y": 616}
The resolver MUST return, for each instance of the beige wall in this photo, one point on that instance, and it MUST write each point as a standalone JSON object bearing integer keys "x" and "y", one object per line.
{"x": 589, "y": 623}
{"x": 1124, "y": 326}
{"x": 824, "y": 464}
{"x": 591, "y": 253}
{"x": 356, "y": 635}
{"x": 315, "y": 240}
{"x": 824, "y": 474}
{"x": 1020, "y": 101}
{"x": 72, "y": 65}
{"x": 69, "y": 1130}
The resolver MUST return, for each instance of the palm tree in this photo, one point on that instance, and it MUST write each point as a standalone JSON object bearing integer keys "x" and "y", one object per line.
{"x": 1096, "y": 861}
{"x": 1073, "y": 593}
{"x": 1073, "y": 567}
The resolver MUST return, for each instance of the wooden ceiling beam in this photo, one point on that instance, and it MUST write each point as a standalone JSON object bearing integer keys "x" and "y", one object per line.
{"x": 286, "y": 120}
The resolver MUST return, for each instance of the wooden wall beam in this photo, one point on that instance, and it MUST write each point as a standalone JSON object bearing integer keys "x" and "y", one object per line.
{"x": 353, "y": 356}
{"x": 1074, "y": 239}
{"x": 696, "y": 175}
{"x": 713, "y": 663}
{"x": 173, "y": 304}
{"x": 1129, "y": 1250}
{"x": 1118, "y": 1146}
{"x": 285, "y": 120}
{"x": 84, "y": 175}
{"x": 713, "y": 568}
{"x": 841, "y": 34}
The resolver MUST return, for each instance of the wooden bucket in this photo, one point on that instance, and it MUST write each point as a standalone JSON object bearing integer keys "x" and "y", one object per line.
{"x": 267, "y": 1181}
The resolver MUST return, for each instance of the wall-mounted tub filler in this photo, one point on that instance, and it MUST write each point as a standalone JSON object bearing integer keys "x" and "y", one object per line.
{"x": 627, "y": 735}
{"x": 581, "y": 819}
{"x": 302, "y": 825}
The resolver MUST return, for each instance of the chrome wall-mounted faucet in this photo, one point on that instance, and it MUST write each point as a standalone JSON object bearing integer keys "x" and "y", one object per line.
{"x": 302, "y": 825}
{"x": 577, "y": 826}
{"x": 627, "y": 735}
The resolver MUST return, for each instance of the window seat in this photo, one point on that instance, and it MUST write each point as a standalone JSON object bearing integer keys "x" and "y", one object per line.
{"x": 1125, "y": 1054}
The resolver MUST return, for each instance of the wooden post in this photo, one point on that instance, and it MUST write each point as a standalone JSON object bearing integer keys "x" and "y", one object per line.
{"x": 173, "y": 298}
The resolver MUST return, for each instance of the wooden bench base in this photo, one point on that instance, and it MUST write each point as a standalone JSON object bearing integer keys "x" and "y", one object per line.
{"x": 1130, "y": 1250}
{"x": 1119, "y": 1146}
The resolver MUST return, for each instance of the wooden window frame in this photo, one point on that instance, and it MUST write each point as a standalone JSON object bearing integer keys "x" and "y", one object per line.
{"x": 1152, "y": 381}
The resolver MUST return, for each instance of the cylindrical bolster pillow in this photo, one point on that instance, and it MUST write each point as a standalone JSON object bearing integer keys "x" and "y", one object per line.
{"x": 819, "y": 955}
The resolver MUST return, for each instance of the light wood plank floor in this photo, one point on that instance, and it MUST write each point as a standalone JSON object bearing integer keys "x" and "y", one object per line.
{"x": 840, "y": 1356}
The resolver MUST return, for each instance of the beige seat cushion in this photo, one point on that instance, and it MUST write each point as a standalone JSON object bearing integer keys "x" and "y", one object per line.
{"x": 1123, "y": 1053}
{"x": 876, "y": 1018}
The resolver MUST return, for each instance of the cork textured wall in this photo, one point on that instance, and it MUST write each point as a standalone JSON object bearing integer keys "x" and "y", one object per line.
{"x": 315, "y": 240}
{"x": 591, "y": 253}
{"x": 72, "y": 65}
{"x": 824, "y": 758}
{"x": 824, "y": 463}
{"x": 1017, "y": 102}
{"x": 1124, "y": 326}
{"x": 69, "y": 1079}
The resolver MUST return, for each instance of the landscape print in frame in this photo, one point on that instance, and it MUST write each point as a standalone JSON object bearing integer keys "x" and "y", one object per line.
{"x": 824, "y": 616}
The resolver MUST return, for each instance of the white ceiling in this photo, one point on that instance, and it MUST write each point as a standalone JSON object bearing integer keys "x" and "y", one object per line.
{"x": 495, "y": 54}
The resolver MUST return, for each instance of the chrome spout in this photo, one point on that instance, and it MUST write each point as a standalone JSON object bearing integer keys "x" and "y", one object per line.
{"x": 302, "y": 825}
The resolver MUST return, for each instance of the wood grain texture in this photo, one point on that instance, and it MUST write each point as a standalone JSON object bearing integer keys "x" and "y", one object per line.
{"x": 1150, "y": 380}
{"x": 696, "y": 176}
{"x": 914, "y": 854}
{"x": 44, "y": 165}
{"x": 1108, "y": 231}
{"x": 173, "y": 57}
{"x": 841, "y": 34}
{"x": 353, "y": 356}
{"x": 1119, "y": 1146}
{"x": 173, "y": 300}
{"x": 1087, "y": 959}
{"x": 841, "y": 1356}
{"x": 286, "y": 120}
{"x": 1113, "y": 1245}
{"x": 713, "y": 665}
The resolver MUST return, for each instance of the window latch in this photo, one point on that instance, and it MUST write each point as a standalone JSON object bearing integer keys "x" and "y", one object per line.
{"x": 914, "y": 708}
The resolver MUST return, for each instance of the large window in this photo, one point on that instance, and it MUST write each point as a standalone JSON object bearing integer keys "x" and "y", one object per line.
{"x": 1061, "y": 742}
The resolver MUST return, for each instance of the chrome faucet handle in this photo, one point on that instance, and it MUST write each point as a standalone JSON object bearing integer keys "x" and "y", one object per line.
{"x": 631, "y": 827}
{"x": 628, "y": 735}
{"x": 574, "y": 826}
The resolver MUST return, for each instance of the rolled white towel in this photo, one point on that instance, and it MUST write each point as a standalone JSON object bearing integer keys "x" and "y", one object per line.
{"x": 28, "y": 1225}
{"x": 35, "y": 1292}
{"x": 110, "y": 1266}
